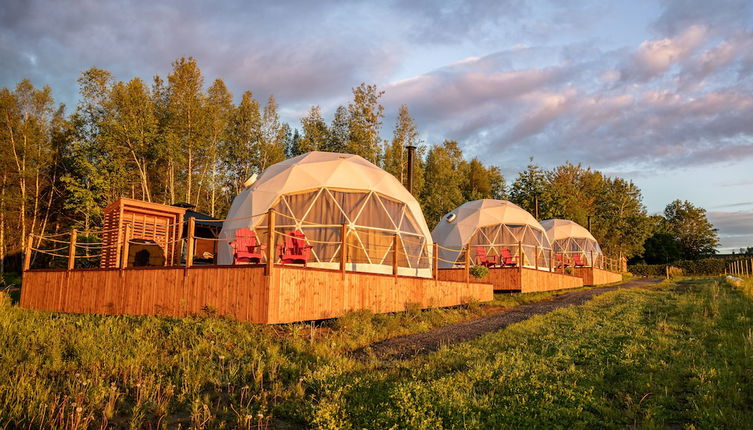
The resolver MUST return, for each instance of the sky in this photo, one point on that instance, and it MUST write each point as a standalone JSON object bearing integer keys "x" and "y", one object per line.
{"x": 657, "y": 92}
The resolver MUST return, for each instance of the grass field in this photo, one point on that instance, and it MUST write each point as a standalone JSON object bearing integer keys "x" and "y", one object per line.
{"x": 678, "y": 355}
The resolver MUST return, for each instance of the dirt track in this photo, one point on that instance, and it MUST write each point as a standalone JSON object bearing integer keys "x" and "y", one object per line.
{"x": 404, "y": 347}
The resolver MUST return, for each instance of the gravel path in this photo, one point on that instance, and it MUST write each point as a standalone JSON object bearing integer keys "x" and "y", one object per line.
{"x": 403, "y": 347}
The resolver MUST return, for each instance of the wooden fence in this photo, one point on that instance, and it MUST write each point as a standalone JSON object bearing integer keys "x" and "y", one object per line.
{"x": 524, "y": 280}
{"x": 594, "y": 276}
{"x": 740, "y": 267}
{"x": 245, "y": 293}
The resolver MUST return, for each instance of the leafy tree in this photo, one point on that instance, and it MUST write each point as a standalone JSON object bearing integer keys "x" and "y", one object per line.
{"x": 29, "y": 163}
{"x": 478, "y": 181}
{"x": 187, "y": 123}
{"x": 219, "y": 111}
{"x": 620, "y": 223}
{"x": 692, "y": 230}
{"x": 130, "y": 128}
{"x": 271, "y": 148}
{"x": 315, "y": 133}
{"x": 572, "y": 192}
{"x": 396, "y": 155}
{"x": 243, "y": 143}
{"x": 661, "y": 248}
{"x": 497, "y": 182}
{"x": 364, "y": 122}
{"x": 339, "y": 133}
{"x": 443, "y": 173}
{"x": 530, "y": 184}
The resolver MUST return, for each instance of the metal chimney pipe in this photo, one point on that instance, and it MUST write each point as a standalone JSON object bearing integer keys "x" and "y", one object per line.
{"x": 589, "y": 223}
{"x": 536, "y": 206}
{"x": 411, "y": 156}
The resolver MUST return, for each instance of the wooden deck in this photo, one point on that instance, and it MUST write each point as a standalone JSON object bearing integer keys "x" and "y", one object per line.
{"x": 593, "y": 276}
{"x": 240, "y": 292}
{"x": 519, "y": 279}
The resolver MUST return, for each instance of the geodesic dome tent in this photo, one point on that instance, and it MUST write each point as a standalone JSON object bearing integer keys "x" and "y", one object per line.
{"x": 317, "y": 193}
{"x": 491, "y": 225}
{"x": 568, "y": 237}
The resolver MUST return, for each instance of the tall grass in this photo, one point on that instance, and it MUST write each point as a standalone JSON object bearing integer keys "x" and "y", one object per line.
{"x": 79, "y": 371}
{"x": 676, "y": 356}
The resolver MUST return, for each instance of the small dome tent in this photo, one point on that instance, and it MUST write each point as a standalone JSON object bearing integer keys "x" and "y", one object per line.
{"x": 491, "y": 225}
{"x": 568, "y": 237}
{"x": 317, "y": 193}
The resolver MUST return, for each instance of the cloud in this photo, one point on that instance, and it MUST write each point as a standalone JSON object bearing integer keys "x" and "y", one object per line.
{"x": 288, "y": 51}
{"x": 515, "y": 83}
{"x": 655, "y": 57}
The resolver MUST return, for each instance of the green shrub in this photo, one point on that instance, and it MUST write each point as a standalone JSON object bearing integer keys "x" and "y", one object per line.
{"x": 702, "y": 267}
{"x": 479, "y": 271}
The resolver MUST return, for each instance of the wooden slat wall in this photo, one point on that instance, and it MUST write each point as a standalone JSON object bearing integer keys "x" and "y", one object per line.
{"x": 537, "y": 280}
{"x": 503, "y": 279}
{"x": 305, "y": 294}
{"x": 516, "y": 279}
{"x": 593, "y": 276}
{"x": 240, "y": 292}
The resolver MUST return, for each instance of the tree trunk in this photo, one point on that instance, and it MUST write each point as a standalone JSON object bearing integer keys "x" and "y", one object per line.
{"x": 2, "y": 226}
{"x": 189, "y": 174}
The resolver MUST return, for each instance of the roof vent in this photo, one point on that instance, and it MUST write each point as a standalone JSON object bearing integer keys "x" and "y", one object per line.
{"x": 451, "y": 217}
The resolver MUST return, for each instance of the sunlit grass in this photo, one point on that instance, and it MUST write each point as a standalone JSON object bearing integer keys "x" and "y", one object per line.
{"x": 679, "y": 354}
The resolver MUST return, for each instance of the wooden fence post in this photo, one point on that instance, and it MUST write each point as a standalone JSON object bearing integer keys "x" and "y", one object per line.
{"x": 521, "y": 258}
{"x": 343, "y": 249}
{"x": 551, "y": 260}
{"x": 190, "y": 244}
{"x": 467, "y": 263}
{"x": 271, "y": 242}
{"x": 27, "y": 253}
{"x": 435, "y": 257}
{"x": 72, "y": 250}
{"x": 126, "y": 246}
{"x": 395, "y": 244}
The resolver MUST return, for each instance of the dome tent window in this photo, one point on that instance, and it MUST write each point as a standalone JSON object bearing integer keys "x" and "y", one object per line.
{"x": 317, "y": 193}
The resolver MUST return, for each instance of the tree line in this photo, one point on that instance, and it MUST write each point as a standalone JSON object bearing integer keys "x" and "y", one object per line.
{"x": 178, "y": 139}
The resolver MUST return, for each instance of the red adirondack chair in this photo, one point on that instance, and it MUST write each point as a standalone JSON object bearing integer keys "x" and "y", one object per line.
{"x": 483, "y": 259}
{"x": 295, "y": 249}
{"x": 580, "y": 260}
{"x": 506, "y": 258}
{"x": 561, "y": 262}
{"x": 246, "y": 249}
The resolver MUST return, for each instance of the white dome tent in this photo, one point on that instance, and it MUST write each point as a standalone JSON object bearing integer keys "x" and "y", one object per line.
{"x": 570, "y": 238}
{"x": 317, "y": 193}
{"x": 492, "y": 225}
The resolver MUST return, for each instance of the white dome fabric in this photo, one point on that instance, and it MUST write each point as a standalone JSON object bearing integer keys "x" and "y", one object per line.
{"x": 316, "y": 193}
{"x": 492, "y": 225}
{"x": 569, "y": 237}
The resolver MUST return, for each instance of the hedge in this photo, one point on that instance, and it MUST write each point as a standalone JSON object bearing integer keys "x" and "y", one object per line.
{"x": 702, "y": 267}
